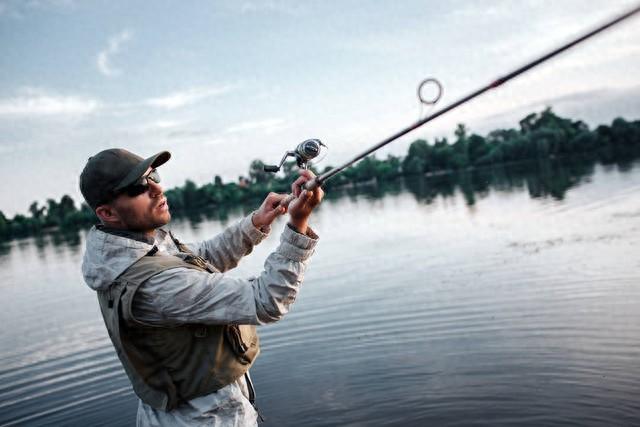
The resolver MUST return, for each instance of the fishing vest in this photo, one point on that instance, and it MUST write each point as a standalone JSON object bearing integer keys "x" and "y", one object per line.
{"x": 171, "y": 365}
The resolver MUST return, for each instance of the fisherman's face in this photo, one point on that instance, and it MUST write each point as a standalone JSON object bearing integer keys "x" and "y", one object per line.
{"x": 144, "y": 212}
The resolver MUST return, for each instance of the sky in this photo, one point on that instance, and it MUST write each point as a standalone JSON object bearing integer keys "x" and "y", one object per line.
{"x": 220, "y": 83}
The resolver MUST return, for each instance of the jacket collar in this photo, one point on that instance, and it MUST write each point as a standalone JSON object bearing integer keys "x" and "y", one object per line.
{"x": 129, "y": 234}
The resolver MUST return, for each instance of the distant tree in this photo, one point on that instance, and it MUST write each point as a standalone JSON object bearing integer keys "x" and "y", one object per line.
{"x": 366, "y": 168}
{"x": 4, "y": 226}
{"x": 175, "y": 199}
{"x": 243, "y": 182}
{"x": 37, "y": 212}
{"x": 527, "y": 124}
{"x": 460, "y": 132}
{"x": 190, "y": 194}
{"x": 21, "y": 226}
{"x": 66, "y": 205}
{"x": 584, "y": 141}
{"x": 413, "y": 166}
{"x": 622, "y": 133}
{"x": 460, "y": 147}
{"x": 417, "y": 158}
{"x": 53, "y": 216}
{"x": 257, "y": 174}
{"x": 393, "y": 164}
{"x": 442, "y": 154}
{"x": 477, "y": 148}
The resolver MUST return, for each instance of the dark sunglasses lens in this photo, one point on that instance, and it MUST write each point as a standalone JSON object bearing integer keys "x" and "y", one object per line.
{"x": 136, "y": 190}
{"x": 142, "y": 185}
{"x": 154, "y": 176}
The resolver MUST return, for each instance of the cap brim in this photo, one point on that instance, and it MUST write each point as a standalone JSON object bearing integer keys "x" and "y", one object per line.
{"x": 135, "y": 173}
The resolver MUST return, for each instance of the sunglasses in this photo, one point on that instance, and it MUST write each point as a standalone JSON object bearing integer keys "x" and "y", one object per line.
{"x": 142, "y": 185}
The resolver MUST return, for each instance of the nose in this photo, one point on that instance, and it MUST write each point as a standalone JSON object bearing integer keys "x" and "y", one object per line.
{"x": 155, "y": 189}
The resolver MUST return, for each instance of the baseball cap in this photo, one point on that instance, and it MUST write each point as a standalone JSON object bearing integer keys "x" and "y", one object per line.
{"x": 109, "y": 171}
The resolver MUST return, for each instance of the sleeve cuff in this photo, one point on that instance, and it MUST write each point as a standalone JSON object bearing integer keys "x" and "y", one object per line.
{"x": 255, "y": 234}
{"x": 296, "y": 246}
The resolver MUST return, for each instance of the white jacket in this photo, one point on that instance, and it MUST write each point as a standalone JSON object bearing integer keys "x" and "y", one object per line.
{"x": 184, "y": 295}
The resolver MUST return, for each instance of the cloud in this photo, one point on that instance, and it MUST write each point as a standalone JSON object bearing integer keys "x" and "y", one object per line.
{"x": 188, "y": 97}
{"x": 595, "y": 106}
{"x": 266, "y": 126}
{"x": 36, "y": 102}
{"x": 163, "y": 124}
{"x": 103, "y": 60}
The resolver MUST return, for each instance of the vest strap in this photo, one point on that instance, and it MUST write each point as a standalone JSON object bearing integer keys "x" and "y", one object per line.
{"x": 252, "y": 395}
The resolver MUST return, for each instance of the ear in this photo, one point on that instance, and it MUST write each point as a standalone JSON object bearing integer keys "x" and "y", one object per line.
{"x": 107, "y": 214}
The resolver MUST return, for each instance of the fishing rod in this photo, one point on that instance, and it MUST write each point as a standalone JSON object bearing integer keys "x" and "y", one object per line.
{"x": 322, "y": 178}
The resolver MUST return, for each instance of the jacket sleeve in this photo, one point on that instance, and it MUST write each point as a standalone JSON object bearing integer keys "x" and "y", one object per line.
{"x": 183, "y": 295}
{"x": 225, "y": 250}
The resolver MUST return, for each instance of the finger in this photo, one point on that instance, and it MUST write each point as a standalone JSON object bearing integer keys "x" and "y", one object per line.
{"x": 280, "y": 210}
{"x": 316, "y": 197}
{"x": 304, "y": 198}
{"x": 307, "y": 173}
{"x": 275, "y": 197}
{"x": 295, "y": 187}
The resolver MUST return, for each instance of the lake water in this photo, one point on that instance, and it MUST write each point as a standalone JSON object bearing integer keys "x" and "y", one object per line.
{"x": 495, "y": 298}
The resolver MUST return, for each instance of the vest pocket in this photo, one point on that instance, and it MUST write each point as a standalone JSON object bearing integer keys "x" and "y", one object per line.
{"x": 238, "y": 346}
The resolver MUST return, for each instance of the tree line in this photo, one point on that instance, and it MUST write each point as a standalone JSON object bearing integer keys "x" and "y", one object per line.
{"x": 541, "y": 135}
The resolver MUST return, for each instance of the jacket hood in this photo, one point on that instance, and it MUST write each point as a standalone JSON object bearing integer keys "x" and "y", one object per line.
{"x": 107, "y": 256}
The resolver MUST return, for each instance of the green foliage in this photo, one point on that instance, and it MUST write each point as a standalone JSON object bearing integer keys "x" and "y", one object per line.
{"x": 257, "y": 173}
{"x": 4, "y": 226}
{"x": 540, "y": 135}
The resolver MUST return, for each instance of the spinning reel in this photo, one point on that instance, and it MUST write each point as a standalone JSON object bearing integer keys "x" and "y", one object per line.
{"x": 304, "y": 153}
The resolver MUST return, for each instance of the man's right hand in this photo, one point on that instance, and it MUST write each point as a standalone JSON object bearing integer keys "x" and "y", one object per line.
{"x": 304, "y": 203}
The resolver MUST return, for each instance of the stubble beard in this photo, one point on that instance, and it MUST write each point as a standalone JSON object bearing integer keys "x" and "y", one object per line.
{"x": 144, "y": 223}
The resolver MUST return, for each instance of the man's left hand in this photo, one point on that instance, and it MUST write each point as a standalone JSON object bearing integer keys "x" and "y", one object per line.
{"x": 269, "y": 211}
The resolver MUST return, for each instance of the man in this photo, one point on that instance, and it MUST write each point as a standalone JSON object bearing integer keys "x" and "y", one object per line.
{"x": 183, "y": 330}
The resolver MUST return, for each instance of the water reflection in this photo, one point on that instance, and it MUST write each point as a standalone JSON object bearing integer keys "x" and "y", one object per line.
{"x": 541, "y": 179}
{"x": 221, "y": 214}
{"x": 60, "y": 237}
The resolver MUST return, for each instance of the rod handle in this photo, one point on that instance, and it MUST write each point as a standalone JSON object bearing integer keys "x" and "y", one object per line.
{"x": 313, "y": 184}
{"x": 285, "y": 202}
{"x": 309, "y": 185}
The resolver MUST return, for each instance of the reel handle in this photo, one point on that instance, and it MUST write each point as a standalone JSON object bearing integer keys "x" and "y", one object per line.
{"x": 271, "y": 168}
